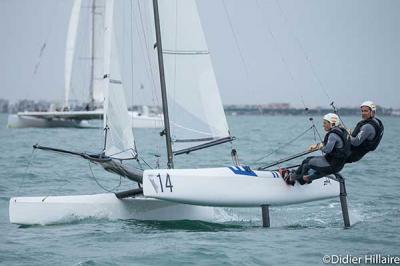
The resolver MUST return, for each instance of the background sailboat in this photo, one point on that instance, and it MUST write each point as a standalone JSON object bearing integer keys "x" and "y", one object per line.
{"x": 83, "y": 75}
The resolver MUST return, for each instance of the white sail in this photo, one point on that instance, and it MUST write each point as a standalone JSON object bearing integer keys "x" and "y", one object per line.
{"x": 84, "y": 59}
{"x": 120, "y": 141}
{"x": 97, "y": 46}
{"x": 70, "y": 47}
{"x": 195, "y": 108}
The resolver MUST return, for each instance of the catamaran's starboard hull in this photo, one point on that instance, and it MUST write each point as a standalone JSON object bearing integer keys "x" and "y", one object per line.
{"x": 232, "y": 187}
{"x": 63, "y": 209}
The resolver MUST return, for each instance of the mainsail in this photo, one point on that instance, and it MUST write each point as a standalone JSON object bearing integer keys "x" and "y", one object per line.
{"x": 196, "y": 113}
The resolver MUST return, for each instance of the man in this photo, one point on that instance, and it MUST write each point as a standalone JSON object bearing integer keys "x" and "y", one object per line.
{"x": 367, "y": 134}
{"x": 336, "y": 149}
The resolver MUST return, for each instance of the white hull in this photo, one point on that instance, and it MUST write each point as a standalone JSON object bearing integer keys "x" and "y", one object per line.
{"x": 187, "y": 194}
{"x": 232, "y": 187}
{"x": 61, "y": 209}
{"x": 31, "y": 119}
{"x": 20, "y": 121}
{"x": 145, "y": 121}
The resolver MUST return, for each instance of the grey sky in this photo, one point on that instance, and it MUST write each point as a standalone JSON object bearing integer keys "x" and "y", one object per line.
{"x": 353, "y": 47}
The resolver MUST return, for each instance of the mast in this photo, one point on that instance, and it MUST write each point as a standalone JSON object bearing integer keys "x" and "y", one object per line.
{"x": 91, "y": 84}
{"x": 166, "y": 131}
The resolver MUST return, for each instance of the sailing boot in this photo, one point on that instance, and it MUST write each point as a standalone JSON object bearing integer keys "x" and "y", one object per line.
{"x": 293, "y": 177}
{"x": 301, "y": 180}
{"x": 285, "y": 174}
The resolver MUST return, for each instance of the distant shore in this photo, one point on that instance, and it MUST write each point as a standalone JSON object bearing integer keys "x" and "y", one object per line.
{"x": 268, "y": 110}
{"x": 248, "y": 109}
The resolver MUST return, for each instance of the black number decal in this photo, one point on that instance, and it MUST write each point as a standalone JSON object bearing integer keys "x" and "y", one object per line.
{"x": 168, "y": 183}
{"x": 159, "y": 178}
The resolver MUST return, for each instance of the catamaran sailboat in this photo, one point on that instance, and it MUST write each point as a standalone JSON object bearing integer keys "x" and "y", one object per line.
{"x": 194, "y": 119}
{"x": 64, "y": 116}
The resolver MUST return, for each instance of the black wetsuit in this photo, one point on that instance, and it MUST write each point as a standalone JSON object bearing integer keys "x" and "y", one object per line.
{"x": 365, "y": 138}
{"x": 336, "y": 149}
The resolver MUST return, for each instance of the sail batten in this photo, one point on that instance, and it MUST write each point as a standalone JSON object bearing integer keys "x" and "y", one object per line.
{"x": 193, "y": 140}
{"x": 185, "y": 52}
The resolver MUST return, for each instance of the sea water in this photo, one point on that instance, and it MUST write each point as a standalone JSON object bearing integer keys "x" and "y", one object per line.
{"x": 299, "y": 234}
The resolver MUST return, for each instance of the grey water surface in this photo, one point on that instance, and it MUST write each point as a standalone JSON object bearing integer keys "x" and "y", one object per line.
{"x": 299, "y": 234}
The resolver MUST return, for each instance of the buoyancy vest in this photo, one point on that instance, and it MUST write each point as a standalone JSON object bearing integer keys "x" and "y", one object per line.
{"x": 337, "y": 157}
{"x": 368, "y": 145}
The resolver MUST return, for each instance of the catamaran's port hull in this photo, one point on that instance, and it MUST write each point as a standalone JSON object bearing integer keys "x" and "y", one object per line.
{"x": 64, "y": 209}
{"x": 232, "y": 187}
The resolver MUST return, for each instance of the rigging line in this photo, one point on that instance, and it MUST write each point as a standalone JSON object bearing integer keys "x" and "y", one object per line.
{"x": 285, "y": 63}
{"x": 337, "y": 112}
{"x": 175, "y": 56}
{"x": 280, "y": 51}
{"x": 158, "y": 152}
{"x": 132, "y": 67}
{"x": 123, "y": 151}
{"x": 141, "y": 158}
{"x": 315, "y": 135}
{"x": 281, "y": 146}
{"x": 311, "y": 119}
{"x": 319, "y": 81}
{"x": 236, "y": 40}
{"x": 132, "y": 57}
{"x": 101, "y": 186}
{"x": 22, "y": 182}
{"x": 316, "y": 131}
{"x": 57, "y": 189}
{"x": 148, "y": 56}
{"x": 140, "y": 165}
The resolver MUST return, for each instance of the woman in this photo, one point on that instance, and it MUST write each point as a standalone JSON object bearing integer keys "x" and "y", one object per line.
{"x": 336, "y": 149}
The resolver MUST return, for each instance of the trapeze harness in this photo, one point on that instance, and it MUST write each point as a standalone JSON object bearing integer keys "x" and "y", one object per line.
{"x": 357, "y": 152}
